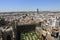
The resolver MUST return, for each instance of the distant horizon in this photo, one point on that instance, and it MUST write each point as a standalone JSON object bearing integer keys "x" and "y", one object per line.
{"x": 26, "y": 10}
{"x": 31, "y": 11}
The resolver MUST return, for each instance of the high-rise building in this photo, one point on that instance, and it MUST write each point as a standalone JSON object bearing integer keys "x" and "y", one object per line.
{"x": 37, "y": 10}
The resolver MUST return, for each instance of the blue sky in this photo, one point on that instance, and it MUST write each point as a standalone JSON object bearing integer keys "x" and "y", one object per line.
{"x": 29, "y": 5}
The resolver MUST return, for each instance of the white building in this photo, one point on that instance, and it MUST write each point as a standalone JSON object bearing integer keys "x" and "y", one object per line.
{"x": 53, "y": 22}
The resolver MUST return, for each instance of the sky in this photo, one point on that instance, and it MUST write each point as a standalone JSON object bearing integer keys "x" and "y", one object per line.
{"x": 29, "y": 5}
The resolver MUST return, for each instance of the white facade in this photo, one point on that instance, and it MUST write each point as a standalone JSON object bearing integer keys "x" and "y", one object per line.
{"x": 53, "y": 22}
